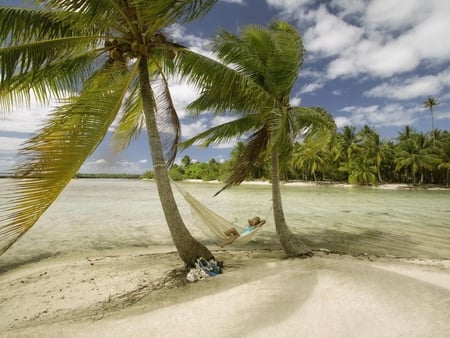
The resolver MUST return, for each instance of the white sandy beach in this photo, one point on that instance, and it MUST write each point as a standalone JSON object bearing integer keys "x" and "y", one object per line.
{"x": 260, "y": 294}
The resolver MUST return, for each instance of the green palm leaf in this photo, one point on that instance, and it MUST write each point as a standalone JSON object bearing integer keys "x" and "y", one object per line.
{"x": 132, "y": 120}
{"x": 54, "y": 155}
{"x": 222, "y": 88}
{"x": 224, "y": 132}
{"x": 95, "y": 51}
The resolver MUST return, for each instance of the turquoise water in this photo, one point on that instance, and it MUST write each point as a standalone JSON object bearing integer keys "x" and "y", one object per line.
{"x": 92, "y": 215}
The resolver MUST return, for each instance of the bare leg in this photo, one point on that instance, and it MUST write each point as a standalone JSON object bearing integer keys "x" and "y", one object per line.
{"x": 233, "y": 234}
{"x": 229, "y": 240}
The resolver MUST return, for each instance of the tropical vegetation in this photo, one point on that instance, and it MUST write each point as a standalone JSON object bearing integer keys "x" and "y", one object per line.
{"x": 105, "y": 61}
{"x": 354, "y": 156}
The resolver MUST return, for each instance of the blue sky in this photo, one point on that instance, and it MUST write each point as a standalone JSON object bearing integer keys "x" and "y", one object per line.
{"x": 367, "y": 62}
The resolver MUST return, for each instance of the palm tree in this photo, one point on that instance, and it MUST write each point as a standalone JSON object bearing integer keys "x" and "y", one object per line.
{"x": 444, "y": 146}
{"x": 311, "y": 155}
{"x": 349, "y": 142}
{"x": 407, "y": 133}
{"x": 417, "y": 154}
{"x": 375, "y": 149}
{"x": 429, "y": 103}
{"x": 103, "y": 59}
{"x": 263, "y": 66}
{"x": 362, "y": 171}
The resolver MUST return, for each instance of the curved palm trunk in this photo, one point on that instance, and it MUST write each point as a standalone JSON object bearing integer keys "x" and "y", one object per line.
{"x": 379, "y": 175}
{"x": 432, "y": 126}
{"x": 188, "y": 247}
{"x": 291, "y": 245}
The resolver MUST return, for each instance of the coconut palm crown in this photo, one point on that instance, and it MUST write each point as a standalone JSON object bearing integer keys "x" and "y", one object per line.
{"x": 104, "y": 60}
{"x": 430, "y": 103}
{"x": 265, "y": 63}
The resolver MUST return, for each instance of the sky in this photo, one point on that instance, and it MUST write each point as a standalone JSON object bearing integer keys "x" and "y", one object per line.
{"x": 368, "y": 62}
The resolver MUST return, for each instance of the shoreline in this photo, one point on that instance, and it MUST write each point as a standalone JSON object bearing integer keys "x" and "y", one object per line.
{"x": 140, "y": 290}
{"x": 386, "y": 186}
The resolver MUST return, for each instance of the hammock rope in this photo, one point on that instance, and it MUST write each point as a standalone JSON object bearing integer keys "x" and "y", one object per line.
{"x": 215, "y": 222}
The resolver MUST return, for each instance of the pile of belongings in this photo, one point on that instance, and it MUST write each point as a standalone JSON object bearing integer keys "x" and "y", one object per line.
{"x": 204, "y": 269}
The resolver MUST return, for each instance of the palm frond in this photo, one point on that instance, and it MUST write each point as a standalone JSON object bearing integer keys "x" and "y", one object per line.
{"x": 254, "y": 150}
{"x": 32, "y": 56}
{"x": 222, "y": 88}
{"x": 285, "y": 60}
{"x": 311, "y": 117}
{"x": 270, "y": 57}
{"x": 168, "y": 123}
{"x": 191, "y": 10}
{"x": 132, "y": 121}
{"x": 91, "y": 10}
{"x": 223, "y": 132}
{"x": 54, "y": 80}
{"x": 47, "y": 21}
{"x": 51, "y": 158}
{"x": 247, "y": 54}
{"x": 31, "y": 24}
{"x": 166, "y": 12}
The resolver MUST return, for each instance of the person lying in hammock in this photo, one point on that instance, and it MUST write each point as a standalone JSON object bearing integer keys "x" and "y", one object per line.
{"x": 233, "y": 234}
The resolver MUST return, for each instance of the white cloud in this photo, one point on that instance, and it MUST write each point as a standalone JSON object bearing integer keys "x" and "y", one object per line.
{"x": 388, "y": 60}
{"x": 330, "y": 35}
{"x": 108, "y": 166}
{"x": 10, "y": 144}
{"x": 349, "y": 8}
{"x": 221, "y": 119}
{"x": 288, "y": 5}
{"x": 8, "y": 151}
{"x": 342, "y": 121}
{"x": 341, "y": 67}
{"x": 198, "y": 44}
{"x": 297, "y": 10}
{"x": 225, "y": 145}
{"x": 25, "y": 119}
{"x": 388, "y": 14}
{"x": 381, "y": 38}
{"x": 428, "y": 37}
{"x": 311, "y": 87}
{"x": 182, "y": 94}
{"x": 21, "y": 119}
{"x": 391, "y": 115}
{"x": 193, "y": 128}
{"x": 295, "y": 101}
{"x": 405, "y": 89}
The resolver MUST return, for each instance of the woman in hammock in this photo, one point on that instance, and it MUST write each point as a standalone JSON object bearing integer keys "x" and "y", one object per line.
{"x": 233, "y": 234}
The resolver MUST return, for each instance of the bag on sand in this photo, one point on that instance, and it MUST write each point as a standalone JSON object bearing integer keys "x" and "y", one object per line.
{"x": 204, "y": 269}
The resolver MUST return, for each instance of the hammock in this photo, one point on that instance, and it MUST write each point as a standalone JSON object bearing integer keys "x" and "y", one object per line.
{"x": 216, "y": 223}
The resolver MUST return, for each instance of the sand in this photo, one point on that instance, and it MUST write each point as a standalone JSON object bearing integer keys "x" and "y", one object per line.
{"x": 144, "y": 293}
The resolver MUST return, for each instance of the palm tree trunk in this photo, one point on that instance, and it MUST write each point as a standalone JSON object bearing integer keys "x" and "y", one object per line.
{"x": 187, "y": 247}
{"x": 290, "y": 243}
{"x": 379, "y": 174}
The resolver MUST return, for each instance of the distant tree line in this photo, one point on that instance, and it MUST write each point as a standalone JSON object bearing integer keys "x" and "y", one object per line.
{"x": 354, "y": 156}
{"x": 123, "y": 176}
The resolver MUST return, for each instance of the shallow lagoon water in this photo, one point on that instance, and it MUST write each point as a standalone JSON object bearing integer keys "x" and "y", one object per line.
{"x": 92, "y": 215}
